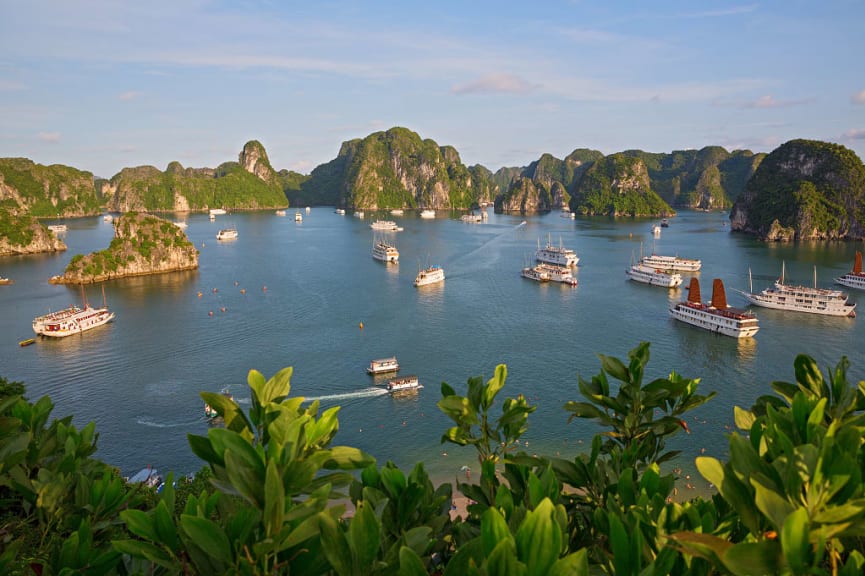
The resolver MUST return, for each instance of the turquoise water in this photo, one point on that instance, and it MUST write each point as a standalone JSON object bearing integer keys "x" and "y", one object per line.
{"x": 309, "y": 286}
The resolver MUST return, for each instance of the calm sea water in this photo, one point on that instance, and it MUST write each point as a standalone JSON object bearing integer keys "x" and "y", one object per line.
{"x": 309, "y": 286}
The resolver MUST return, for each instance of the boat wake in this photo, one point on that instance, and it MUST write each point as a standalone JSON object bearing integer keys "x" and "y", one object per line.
{"x": 365, "y": 393}
{"x": 152, "y": 424}
{"x": 474, "y": 252}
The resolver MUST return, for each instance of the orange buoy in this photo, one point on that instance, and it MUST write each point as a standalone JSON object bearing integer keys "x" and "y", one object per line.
{"x": 210, "y": 313}
{"x": 243, "y": 290}
{"x": 360, "y": 325}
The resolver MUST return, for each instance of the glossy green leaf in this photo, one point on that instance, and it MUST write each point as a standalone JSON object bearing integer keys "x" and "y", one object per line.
{"x": 410, "y": 564}
{"x": 615, "y": 368}
{"x": 502, "y": 561}
{"x": 493, "y": 386}
{"x": 208, "y": 536}
{"x": 246, "y": 479}
{"x": 164, "y": 525}
{"x": 278, "y": 387}
{"x": 539, "y": 539}
{"x": 274, "y": 500}
{"x": 335, "y": 545}
{"x": 576, "y": 564}
{"x": 620, "y": 544}
{"x": 140, "y": 523}
{"x": 494, "y": 529}
{"x": 364, "y": 532}
{"x": 744, "y": 419}
{"x": 146, "y": 550}
{"x": 795, "y": 541}
{"x": 770, "y": 502}
{"x": 748, "y": 559}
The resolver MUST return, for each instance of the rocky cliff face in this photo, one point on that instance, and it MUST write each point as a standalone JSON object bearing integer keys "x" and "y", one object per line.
{"x": 47, "y": 191}
{"x": 22, "y": 234}
{"x": 618, "y": 185}
{"x": 804, "y": 189}
{"x": 397, "y": 169}
{"x": 248, "y": 184}
{"x": 142, "y": 244}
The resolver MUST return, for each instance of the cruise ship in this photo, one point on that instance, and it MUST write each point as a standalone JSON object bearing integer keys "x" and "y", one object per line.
{"x": 556, "y": 254}
{"x": 385, "y": 252}
{"x": 557, "y": 273}
{"x": 217, "y": 211}
{"x": 715, "y": 316}
{"x": 535, "y": 273}
{"x": 428, "y": 213}
{"x": 227, "y": 234}
{"x": 855, "y": 278}
{"x": 781, "y": 296}
{"x": 385, "y": 225}
{"x": 57, "y": 228}
{"x": 429, "y": 275}
{"x": 671, "y": 263}
{"x": 72, "y": 320}
{"x": 383, "y": 366}
{"x": 403, "y": 384}
{"x": 654, "y": 276}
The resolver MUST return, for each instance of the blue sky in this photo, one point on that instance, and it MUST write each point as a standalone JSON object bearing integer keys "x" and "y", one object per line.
{"x": 102, "y": 84}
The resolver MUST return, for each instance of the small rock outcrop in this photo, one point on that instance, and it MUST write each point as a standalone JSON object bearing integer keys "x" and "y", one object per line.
{"x": 23, "y": 234}
{"x": 142, "y": 244}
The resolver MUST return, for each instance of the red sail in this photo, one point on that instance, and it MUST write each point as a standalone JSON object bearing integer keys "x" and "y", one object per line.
{"x": 694, "y": 291}
{"x": 857, "y": 265}
{"x": 719, "y": 297}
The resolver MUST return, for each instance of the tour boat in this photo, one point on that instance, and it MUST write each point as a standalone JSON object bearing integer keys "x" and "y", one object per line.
{"x": 72, "y": 320}
{"x": 217, "y": 212}
{"x": 428, "y": 214}
{"x": 556, "y": 254}
{"x": 5, "y": 281}
{"x": 385, "y": 225}
{"x": 397, "y": 212}
{"x": 558, "y": 273}
{"x": 280, "y": 212}
{"x": 212, "y": 217}
{"x": 385, "y": 252}
{"x": 57, "y": 228}
{"x": 665, "y": 223}
{"x": 671, "y": 263}
{"x": 298, "y": 217}
{"x": 656, "y": 230}
{"x": 535, "y": 273}
{"x": 654, "y": 276}
{"x": 359, "y": 214}
{"x": 472, "y": 218}
{"x": 227, "y": 234}
{"x": 855, "y": 278}
{"x": 340, "y": 211}
{"x": 308, "y": 209}
{"x": 715, "y": 316}
{"x": 429, "y": 275}
{"x": 210, "y": 411}
{"x": 403, "y": 384}
{"x": 815, "y": 300}
{"x": 182, "y": 225}
{"x": 108, "y": 218}
{"x": 383, "y": 366}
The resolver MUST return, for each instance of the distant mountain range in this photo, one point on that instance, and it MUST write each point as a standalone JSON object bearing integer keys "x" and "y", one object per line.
{"x": 398, "y": 169}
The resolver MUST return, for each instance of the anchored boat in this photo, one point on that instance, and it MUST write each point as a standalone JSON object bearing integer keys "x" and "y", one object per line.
{"x": 854, "y": 278}
{"x": 715, "y": 316}
{"x": 814, "y": 300}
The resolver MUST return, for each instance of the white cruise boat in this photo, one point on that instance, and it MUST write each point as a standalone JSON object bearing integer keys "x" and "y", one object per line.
{"x": 280, "y": 212}
{"x": 57, "y": 228}
{"x": 340, "y": 211}
{"x": 386, "y": 226}
{"x": 855, "y": 278}
{"x": 298, "y": 217}
{"x": 397, "y": 212}
{"x": 428, "y": 214}
{"x": 108, "y": 218}
{"x": 72, "y": 320}
{"x": 217, "y": 211}
{"x": 556, "y": 254}
{"x": 385, "y": 252}
{"x": 359, "y": 214}
{"x": 181, "y": 224}
{"x": 654, "y": 276}
{"x": 656, "y": 230}
{"x": 671, "y": 263}
{"x": 535, "y": 273}
{"x": 429, "y": 275}
{"x": 403, "y": 384}
{"x": 558, "y": 273}
{"x": 227, "y": 234}
{"x": 814, "y": 300}
{"x": 715, "y": 316}
{"x": 472, "y": 218}
{"x": 383, "y": 366}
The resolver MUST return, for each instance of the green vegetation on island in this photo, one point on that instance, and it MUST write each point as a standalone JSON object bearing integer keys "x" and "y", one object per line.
{"x": 142, "y": 244}
{"x": 46, "y": 191}
{"x": 617, "y": 185}
{"x": 804, "y": 189}
{"x": 24, "y": 234}
{"x": 271, "y": 498}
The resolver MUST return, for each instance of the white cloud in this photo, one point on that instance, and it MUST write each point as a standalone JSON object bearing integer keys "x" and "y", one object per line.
{"x": 130, "y": 95}
{"x": 494, "y": 83}
{"x": 858, "y": 98}
{"x": 769, "y": 101}
{"x": 857, "y": 134}
{"x": 49, "y": 136}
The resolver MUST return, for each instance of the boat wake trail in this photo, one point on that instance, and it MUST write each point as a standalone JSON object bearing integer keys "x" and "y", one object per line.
{"x": 152, "y": 424}
{"x": 484, "y": 245}
{"x": 365, "y": 393}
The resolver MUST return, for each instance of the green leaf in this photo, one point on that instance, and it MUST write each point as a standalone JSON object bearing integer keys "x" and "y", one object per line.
{"x": 539, "y": 539}
{"x": 744, "y": 419}
{"x": 747, "y": 559}
{"x": 335, "y": 545}
{"x": 620, "y": 545}
{"x": 808, "y": 374}
{"x": 164, "y": 525}
{"x": 274, "y": 500}
{"x": 364, "y": 533}
{"x": 410, "y": 564}
{"x": 207, "y": 536}
{"x": 140, "y": 524}
{"x": 246, "y": 479}
{"x": 494, "y": 385}
{"x": 615, "y": 368}
{"x": 146, "y": 550}
{"x": 494, "y": 529}
{"x": 772, "y": 504}
{"x": 278, "y": 386}
{"x": 503, "y": 560}
{"x": 794, "y": 541}
{"x": 576, "y": 564}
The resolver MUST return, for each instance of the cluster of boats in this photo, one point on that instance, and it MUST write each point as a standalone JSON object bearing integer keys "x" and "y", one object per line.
{"x": 395, "y": 385}
{"x": 553, "y": 264}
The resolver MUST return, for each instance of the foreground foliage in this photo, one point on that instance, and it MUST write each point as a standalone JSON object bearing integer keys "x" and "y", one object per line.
{"x": 276, "y": 496}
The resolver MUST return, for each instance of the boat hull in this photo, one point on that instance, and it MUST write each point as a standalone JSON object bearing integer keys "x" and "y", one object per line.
{"x": 856, "y": 281}
{"x": 727, "y": 324}
{"x": 824, "y": 309}
{"x": 654, "y": 277}
{"x": 432, "y": 275}
{"x": 71, "y": 321}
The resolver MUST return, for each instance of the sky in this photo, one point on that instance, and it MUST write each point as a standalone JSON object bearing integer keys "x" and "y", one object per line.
{"x": 100, "y": 85}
